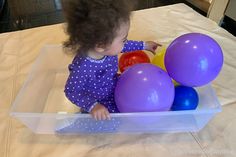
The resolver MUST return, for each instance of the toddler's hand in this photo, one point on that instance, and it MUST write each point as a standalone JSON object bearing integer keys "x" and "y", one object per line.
{"x": 100, "y": 112}
{"x": 151, "y": 46}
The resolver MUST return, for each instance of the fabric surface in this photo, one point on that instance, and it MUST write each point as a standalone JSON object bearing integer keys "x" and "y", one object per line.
{"x": 18, "y": 50}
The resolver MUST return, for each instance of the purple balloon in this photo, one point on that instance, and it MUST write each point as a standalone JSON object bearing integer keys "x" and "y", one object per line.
{"x": 144, "y": 88}
{"x": 194, "y": 59}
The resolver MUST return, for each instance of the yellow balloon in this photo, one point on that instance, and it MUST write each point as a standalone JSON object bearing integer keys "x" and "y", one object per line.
{"x": 158, "y": 60}
{"x": 175, "y": 83}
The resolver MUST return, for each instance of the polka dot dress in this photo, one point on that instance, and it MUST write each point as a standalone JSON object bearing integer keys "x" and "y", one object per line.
{"x": 93, "y": 81}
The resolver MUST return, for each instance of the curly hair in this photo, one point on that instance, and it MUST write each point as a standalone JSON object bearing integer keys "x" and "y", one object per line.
{"x": 92, "y": 22}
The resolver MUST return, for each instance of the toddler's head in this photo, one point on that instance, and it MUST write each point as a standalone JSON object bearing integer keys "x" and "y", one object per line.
{"x": 98, "y": 25}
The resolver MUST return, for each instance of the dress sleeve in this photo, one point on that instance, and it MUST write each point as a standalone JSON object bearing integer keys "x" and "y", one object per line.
{"x": 75, "y": 89}
{"x": 132, "y": 45}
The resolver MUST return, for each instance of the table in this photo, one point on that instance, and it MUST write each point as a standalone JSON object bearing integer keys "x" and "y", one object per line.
{"x": 18, "y": 51}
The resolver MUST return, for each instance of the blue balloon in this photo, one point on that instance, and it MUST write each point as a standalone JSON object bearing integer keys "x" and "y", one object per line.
{"x": 186, "y": 98}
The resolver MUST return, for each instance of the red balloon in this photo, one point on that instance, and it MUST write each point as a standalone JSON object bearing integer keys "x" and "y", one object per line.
{"x": 132, "y": 58}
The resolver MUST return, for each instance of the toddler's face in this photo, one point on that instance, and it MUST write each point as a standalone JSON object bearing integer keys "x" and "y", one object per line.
{"x": 119, "y": 41}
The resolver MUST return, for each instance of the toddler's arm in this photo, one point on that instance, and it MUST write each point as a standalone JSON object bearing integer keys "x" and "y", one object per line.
{"x": 75, "y": 88}
{"x": 132, "y": 45}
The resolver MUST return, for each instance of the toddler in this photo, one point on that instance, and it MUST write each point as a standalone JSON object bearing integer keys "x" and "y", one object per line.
{"x": 98, "y": 31}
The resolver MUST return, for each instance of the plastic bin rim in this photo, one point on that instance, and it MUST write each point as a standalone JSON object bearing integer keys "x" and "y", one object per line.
{"x": 143, "y": 114}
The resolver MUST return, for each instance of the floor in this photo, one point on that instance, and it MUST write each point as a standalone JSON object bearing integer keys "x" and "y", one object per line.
{"x": 14, "y": 16}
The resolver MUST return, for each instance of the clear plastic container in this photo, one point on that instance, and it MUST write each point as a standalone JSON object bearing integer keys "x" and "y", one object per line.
{"x": 42, "y": 106}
